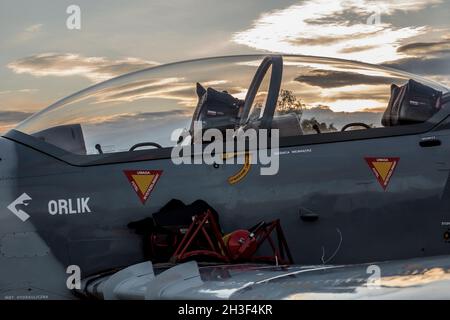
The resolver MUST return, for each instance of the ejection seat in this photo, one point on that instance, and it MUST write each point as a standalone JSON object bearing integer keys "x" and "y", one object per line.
{"x": 411, "y": 103}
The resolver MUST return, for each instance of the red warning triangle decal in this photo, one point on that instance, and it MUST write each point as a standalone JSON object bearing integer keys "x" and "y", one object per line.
{"x": 383, "y": 168}
{"x": 143, "y": 182}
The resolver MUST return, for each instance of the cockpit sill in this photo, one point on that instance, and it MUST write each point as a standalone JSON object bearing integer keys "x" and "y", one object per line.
{"x": 439, "y": 121}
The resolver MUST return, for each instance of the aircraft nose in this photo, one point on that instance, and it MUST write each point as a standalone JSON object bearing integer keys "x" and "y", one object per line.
{"x": 8, "y": 159}
{"x": 8, "y": 180}
{"x": 25, "y": 256}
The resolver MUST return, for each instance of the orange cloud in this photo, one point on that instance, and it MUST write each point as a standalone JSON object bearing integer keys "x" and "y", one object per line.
{"x": 69, "y": 64}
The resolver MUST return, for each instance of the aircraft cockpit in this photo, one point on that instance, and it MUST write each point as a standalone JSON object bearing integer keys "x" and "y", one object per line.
{"x": 301, "y": 96}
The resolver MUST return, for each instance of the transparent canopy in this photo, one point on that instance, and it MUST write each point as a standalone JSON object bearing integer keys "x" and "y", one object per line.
{"x": 149, "y": 105}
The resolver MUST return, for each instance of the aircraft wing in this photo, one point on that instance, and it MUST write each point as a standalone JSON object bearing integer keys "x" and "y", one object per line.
{"x": 421, "y": 278}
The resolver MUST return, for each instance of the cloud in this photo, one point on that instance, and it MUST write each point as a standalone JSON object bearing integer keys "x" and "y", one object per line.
{"x": 9, "y": 119}
{"x": 13, "y": 116}
{"x": 340, "y": 85}
{"x": 327, "y": 40}
{"x": 357, "y": 49}
{"x": 18, "y": 91}
{"x": 69, "y": 64}
{"x": 426, "y": 58}
{"x": 335, "y": 79}
{"x": 30, "y": 32}
{"x": 426, "y": 49}
{"x": 34, "y": 28}
{"x": 172, "y": 88}
{"x": 335, "y": 29}
{"x": 432, "y": 66}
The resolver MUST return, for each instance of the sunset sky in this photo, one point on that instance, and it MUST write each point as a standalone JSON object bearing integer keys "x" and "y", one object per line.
{"x": 42, "y": 60}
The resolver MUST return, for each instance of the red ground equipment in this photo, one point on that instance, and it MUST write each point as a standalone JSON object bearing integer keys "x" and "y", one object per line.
{"x": 241, "y": 243}
{"x": 238, "y": 246}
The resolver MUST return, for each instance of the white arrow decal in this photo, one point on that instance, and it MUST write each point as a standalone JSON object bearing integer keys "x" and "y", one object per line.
{"x": 22, "y": 200}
